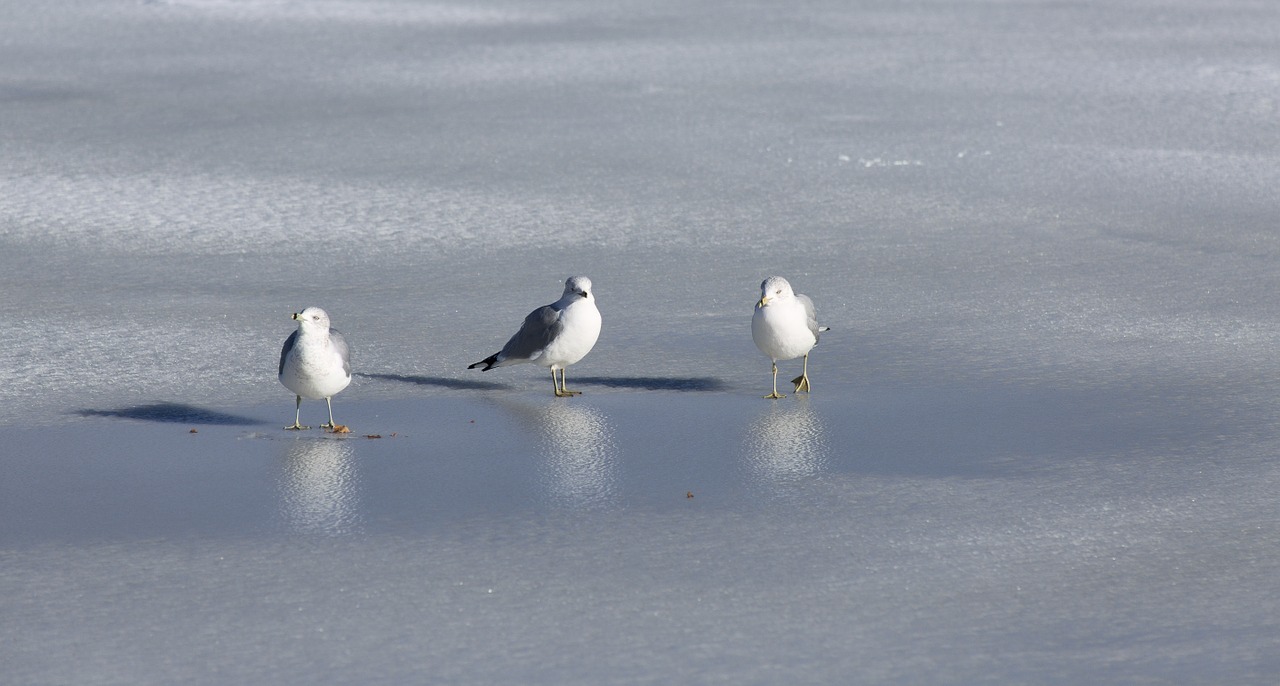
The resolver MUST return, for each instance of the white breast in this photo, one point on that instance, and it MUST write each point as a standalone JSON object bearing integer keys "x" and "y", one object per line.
{"x": 314, "y": 369}
{"x": 581, "y": 330}
{"x": 782, "y": 333}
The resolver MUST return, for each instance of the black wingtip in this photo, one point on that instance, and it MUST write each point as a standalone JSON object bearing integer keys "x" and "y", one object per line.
{"x": 487, "y": 362}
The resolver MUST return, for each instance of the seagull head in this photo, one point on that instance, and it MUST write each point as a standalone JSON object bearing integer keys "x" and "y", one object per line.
{"x": 774, "y": 288}
{"x": 312, "y": 319}
{"x": 578, "y": 285}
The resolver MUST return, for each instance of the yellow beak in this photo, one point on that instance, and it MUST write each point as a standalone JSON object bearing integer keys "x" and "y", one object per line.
{"x": 764, "y": 300}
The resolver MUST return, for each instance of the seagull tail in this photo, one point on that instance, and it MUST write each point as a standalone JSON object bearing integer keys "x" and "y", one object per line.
{"x": 489, "y": 363}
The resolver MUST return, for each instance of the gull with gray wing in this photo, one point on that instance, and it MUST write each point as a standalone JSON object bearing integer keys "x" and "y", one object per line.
{"x": 315, "y": 363}
{"x": 784, "y": 327}
{"x": 555, "y": 335}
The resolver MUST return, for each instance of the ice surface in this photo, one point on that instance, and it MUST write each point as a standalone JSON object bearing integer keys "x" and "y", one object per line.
{"x": 1041, "y": 444}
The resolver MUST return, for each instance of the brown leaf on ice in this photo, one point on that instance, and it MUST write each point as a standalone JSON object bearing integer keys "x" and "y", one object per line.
{"x": 340, "y": 429}
{"x": 373, "y": 435}
{"x": 193, "y": 431}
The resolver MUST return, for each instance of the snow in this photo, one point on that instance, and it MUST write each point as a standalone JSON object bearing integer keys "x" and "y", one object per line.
{"x": 1041, "y": 443}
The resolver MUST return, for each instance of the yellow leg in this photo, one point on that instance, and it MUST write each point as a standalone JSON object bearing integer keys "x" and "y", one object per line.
{"x": 775, "y": 393}
{"x": 562, "y": 390}
{"x": 802, "y": 381}
{"x": 297, "y": 417}
{"x": 564, "y": 385}
{"x": 330, "y": 425}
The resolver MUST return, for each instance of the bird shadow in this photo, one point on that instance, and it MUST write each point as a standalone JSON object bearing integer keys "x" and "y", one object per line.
{"x": 173, "y": 413}
{"x": 655, "y": 383}
{"x": 440, "y": 381}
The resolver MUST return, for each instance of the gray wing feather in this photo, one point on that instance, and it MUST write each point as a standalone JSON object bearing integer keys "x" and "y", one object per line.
{"x": 288, "y": 347}
{"x": 539, "y": 329}
{"x": 810, "y": 315}
{"x": 340, "y": 344}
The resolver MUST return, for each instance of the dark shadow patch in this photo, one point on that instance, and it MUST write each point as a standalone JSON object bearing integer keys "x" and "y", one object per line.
{"x": 653, "y": 383}
{"x": 439, "y": 381}
{"x": 173, "y": 413}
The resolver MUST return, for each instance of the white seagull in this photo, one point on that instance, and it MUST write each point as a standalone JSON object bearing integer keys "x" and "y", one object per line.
{"x": 314, "y": 363}
{"x": 784, "y": 327}
{"x": 555, "y": 335}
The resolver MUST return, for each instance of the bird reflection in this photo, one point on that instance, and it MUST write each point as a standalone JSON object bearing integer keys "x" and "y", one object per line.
{"x": 319, "y": 487}
{"x": 579, "y": 467}
{"x": 786, "y": 442}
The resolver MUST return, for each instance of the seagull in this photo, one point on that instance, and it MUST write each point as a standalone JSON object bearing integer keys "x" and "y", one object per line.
{"x": 314, "y": 363}
{"x": 784, "y": 327}
{"x": 555, "y": 335}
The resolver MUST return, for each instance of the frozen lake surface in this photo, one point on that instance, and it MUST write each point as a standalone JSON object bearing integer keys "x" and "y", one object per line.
{"x": 1042, "y": 442}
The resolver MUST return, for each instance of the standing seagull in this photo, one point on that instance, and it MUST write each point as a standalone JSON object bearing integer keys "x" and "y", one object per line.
{"x": 314, "y": 363}
{"x": 784, "y": 327}
{"x": 555, "y": 335}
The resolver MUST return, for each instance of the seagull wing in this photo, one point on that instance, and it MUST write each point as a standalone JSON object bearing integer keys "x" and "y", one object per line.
{"x": 288, "y": 348}
{"x": 541, "y": 327}
{"x": 340, "y": 344}
{"x": 810, "y": 315}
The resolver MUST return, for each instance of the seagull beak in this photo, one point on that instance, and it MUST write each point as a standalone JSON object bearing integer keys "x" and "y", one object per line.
{"x": 764, "y": 300}
{"x": 296, "y": 315}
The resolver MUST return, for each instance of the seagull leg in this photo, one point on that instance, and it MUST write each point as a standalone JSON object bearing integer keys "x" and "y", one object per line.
{"x": 563, "y": 391}
{"x": 330, "y": 425}
{"x": 802, "y": 381}
{"x": 297, "y": 417}
{"x": 775, "y": 393}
